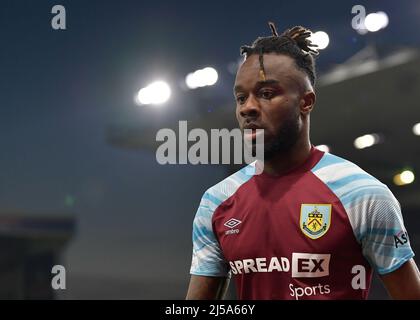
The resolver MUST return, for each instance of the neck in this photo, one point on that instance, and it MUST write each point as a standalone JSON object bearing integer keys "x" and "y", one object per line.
{"x": 283, "y": 162}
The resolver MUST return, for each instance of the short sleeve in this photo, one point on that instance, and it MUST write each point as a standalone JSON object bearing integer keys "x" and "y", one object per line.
{"x": 207, "y": 257}
{"x": 373, "y": 211}
{"x": 383, "y": 236}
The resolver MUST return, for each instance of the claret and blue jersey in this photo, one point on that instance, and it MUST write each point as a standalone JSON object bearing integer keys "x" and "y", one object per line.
{"x": 314, "y": 233}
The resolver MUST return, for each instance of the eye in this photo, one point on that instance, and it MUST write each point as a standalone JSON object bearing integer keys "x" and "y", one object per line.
{"x": 266, "y": 94}
{"x": 241, "y": 99}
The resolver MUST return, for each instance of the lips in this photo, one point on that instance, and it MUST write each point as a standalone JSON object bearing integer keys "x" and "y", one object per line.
{"x": 253, "y": 134}
{"x": 252, "y": 125}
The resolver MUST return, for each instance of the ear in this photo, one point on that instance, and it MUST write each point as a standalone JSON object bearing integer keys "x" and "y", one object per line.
{"x": 307, "y": 102}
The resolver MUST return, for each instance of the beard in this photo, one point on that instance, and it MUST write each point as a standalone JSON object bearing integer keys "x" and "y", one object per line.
{"x": 284, "y": 139}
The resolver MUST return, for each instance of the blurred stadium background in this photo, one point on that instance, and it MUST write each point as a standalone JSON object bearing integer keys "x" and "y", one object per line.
{"x": 80, "y": 185}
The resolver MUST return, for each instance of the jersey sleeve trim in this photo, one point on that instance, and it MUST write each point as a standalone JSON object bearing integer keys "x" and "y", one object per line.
{"x": 383, "y": 271}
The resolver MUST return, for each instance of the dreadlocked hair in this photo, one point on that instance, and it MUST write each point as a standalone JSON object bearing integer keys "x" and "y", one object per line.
{"x": 293, "y": 42}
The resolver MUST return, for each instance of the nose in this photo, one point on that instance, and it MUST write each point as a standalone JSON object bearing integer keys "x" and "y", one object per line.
{"x": 251, "y": 108}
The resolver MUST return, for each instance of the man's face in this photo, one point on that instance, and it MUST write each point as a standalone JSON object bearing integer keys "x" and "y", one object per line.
{"x": 273, "y": 104}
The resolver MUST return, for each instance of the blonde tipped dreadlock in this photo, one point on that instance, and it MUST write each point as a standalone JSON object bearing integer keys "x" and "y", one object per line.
{"x": 262, "y": 71}
{"x": 301, "y": 36}
{"x": 294, "y": 42}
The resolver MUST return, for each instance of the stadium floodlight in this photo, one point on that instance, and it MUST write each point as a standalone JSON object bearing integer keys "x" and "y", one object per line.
{"x": 202, "y": 78}
{"x": 321, "y": 39}
{"x": 157, "y": 92}
{"x": 376, "y": 21}
{"x": 403, "y": 178}
{"x": 323, "y": 147}
{"x": 416, "y": 129}
{"x": 366, "y": 141}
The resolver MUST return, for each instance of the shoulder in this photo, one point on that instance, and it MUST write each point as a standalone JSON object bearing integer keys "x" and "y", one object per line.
{"x": 348, "y": 181}
{"x": 370, "y": 205}
{"x": 220, "y": 192}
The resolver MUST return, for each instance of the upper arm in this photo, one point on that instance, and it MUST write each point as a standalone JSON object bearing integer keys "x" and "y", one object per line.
{"x": 403, "y": 283}
{"x": 207, "y": 288}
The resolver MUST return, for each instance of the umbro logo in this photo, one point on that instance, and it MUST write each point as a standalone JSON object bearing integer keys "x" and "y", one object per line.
{"x": 231, "y": 224}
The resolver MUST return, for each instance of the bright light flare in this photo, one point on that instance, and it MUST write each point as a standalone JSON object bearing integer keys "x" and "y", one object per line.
{"x": 416, "y": 129}
{"x": 155, "y": 93}
{"x": 403, "y": 178}
{"x": 202, "y": 78}
{"x": 321, "y": 39}
{"x": 376, "y": 21}
{"x": 323, "y": 147}
{"x": 366, "y": 141}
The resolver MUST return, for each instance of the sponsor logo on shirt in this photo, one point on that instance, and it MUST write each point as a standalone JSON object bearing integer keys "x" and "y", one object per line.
{"x": 304, "y": 265}
{"x": 232, "y": 223}
{"x": 307, "y": 265}
{"x": 315, "y": 219}
{"x": 298, "y": 292}
{"x": 278, "y": 264}
{"x": 400, "y": 238}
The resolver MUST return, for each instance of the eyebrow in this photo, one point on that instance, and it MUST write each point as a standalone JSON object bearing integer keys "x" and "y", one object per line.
{"x": 259, "y": 84}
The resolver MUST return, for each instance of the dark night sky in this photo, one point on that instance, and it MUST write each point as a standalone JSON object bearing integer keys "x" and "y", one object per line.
{"x": 60, "y": 89}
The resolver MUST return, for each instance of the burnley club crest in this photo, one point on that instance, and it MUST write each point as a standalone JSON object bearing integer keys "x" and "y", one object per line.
{"x": 315, "y": 219}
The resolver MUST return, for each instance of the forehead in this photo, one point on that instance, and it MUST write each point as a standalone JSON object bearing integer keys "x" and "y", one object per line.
{"x": 276, "y": 66}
